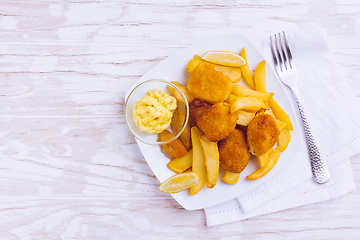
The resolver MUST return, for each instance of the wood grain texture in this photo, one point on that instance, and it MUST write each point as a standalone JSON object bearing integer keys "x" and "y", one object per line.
{"x": 70, "y": 169}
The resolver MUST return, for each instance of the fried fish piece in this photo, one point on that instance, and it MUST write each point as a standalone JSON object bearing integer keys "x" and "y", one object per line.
{"x": 217, "y": 122}
{"x": 234, "y": 152}
{"x": 197, "y": 109}
{"x": 205, "y": 83}
{"x": 262, "y": 134}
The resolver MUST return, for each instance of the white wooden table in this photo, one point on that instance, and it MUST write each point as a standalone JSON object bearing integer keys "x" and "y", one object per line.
{"x": 69, "y": 168}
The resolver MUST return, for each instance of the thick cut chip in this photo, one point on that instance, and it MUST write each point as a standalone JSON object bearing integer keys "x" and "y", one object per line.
{"x": 280, "y": 124}
{"x": 280, "y": 114}
{"x": 177, "y": 123}
{"x": 265, "y": 158}
{"x": 262, "y": 134}
{"x": 175, "y": 148}
{"x": 241, "y": 91}
{"x": 209, "y": 85}
{"x": 198, "y": 164}
{"x": 217, "y": 122}
{"x": 246, "y": 72}
{"x": 174, "y": 122}
{"x": 180, "y": 165}
{"x": 211, "y": 152}
{"x": 231, "y": 177}
{"x": 231, "y": 98}
{"x": 192, "y": 64}
{"x": 260, "y": 77}
{"x": 185, "y": 136}
{"x": 249, "y": 103}
{"x": 274, "y": 157}
{"x": 234, "y": 152}
{"x": 179, "y": 182}
{"x": 284, "y": 139}
{"x": 184, "y": 90}
{"x": 244, "y": 118}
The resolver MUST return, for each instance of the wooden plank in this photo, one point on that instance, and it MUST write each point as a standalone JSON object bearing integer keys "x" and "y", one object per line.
{"x": 68, "y": 80}
{"x": 85, "y": 156}
{"x": 153, "y": 22}
{"x": 135, "y": 218}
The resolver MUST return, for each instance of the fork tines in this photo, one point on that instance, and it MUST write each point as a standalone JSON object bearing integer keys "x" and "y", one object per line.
{"x": 281, "y": 52}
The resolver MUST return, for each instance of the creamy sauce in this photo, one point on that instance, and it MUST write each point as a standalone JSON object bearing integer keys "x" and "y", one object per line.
{"x": 153, "y": 112}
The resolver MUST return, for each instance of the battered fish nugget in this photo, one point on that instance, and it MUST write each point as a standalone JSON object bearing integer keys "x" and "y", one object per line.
{"x": 234, "y": 152}
{"x": 217, "y": 122}
{"x": 262, "y": 134}
{"x": 205, "y": 83}
{"x": 197, "y": 109}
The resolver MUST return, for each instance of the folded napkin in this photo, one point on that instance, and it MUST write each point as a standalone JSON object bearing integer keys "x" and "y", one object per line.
{"x": 329, "y": 105}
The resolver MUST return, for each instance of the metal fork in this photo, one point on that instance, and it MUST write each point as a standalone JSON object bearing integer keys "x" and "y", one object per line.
{"x": 286, "y": 70}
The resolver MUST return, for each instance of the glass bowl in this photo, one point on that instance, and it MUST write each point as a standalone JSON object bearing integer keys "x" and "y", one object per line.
{"x": 139, "y": 91}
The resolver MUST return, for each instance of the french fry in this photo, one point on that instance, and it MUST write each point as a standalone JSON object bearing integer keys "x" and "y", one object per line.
{"x": 274, "y": 157}
{"x": 176, "y": 94}
{"x": 231, "y": 177}
{"x": 280, "y": 124}
{"x": 211, "y": 152}
{"x": 231, "y": 98}
{"x": 192, "y": 64}
{"x": 280, "y": 114}
{"x": 174, "y": 121}
{"x": 177, "y": 123}
{"x": 260, "y": 85}
{"x": 260, "y": 77}
{"x": 244, "y": 118}
{"x": 198, "y": 164}
{"x": 284, "y": 139}
{"x": 265, "y": 158}
{"x": 241, "y": 91}
{"x": 246, "y": 72}
{"x": 175, "y": 148}
{"x": 185, "y": 136}
{"x": 184, "y": 90}
{"x": 249, "y": 103}
{"x": 183, "y": 163}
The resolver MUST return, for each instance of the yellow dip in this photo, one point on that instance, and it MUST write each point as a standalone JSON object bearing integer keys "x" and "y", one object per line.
{"x": 153, "y": 112}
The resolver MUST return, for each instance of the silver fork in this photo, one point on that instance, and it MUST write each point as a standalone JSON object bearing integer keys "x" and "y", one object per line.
{"x": 286, "y": 70}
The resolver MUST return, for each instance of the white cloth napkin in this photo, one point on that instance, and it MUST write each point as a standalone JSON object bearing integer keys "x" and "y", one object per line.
{"x": 333, "y": 116}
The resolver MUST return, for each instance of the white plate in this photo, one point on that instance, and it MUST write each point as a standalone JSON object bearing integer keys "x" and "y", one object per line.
{"x": 173, "y": 69}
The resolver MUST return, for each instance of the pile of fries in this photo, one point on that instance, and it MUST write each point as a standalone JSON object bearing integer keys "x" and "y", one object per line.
{"x": 193, "y": 151}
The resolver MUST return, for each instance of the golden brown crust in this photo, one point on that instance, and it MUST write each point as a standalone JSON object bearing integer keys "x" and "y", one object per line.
{"x": 209, "y": 85}
{"x": 217, "y": 122}
{"x": 197, "y": 109}
{"x": 262, "y": 134}
{"x": 234, "y": 152}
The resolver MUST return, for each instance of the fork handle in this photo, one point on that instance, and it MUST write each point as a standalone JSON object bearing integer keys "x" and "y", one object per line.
{"x": 319, "y": 168}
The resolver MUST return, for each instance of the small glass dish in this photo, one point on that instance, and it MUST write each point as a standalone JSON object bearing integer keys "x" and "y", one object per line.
{"x": 139, "y": 91}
